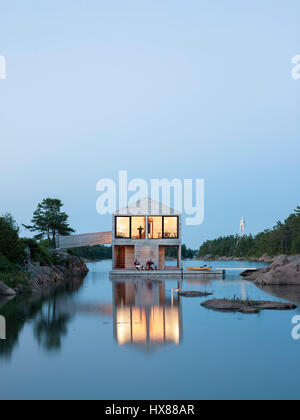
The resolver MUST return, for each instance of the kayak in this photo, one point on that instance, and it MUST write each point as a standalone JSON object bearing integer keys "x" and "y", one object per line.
{"x": 199, "y": 268}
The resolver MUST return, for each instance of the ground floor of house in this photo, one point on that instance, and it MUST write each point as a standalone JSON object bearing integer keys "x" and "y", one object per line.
{"x": 125, "y": 256}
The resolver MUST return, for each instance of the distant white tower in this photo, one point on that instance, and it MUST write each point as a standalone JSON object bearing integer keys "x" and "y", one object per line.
{"x": 244, "y": 290}
{"x": 242, "y": 231}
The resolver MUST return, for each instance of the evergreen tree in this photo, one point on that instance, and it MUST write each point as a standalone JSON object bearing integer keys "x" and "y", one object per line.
{"x": 49, "y": 221}
{"x": 10, "y": 245}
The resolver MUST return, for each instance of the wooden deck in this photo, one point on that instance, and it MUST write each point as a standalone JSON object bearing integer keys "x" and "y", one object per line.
{"x": 172, "y": 274}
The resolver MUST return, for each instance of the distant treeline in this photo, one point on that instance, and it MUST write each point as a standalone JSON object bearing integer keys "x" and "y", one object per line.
{"x": 186, "y": 253}
{"x": 94, "y": 253}
{"x": 284, "y": 238}
{"x": 101, "y": 252}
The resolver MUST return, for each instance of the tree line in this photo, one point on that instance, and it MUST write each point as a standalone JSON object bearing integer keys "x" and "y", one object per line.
{"x": 102, "y": 252}
{"x": 93, "y": 253}
{"x": 284, "y": 238}
{"x": 186, "y": 253}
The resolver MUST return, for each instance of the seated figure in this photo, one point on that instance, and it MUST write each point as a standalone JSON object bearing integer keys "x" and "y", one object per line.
{"x": 138, "y": 265}
{"x": 151, "y": 266}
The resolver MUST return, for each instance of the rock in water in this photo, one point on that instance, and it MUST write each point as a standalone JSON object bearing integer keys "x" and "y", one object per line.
{"x": 246, "y": 307}
{"x": 194, "y": 294}
{"x": 6, "y": 291}
{"x": 283, "y": 271}
{"x": 249, "y": 273}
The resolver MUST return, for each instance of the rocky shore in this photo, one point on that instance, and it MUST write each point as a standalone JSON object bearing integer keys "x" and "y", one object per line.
{"x": 39, "y": 278}
{"x": 6, "y": 291}
{"x": 264, "y": 259}
{"x": 282, "y": 272}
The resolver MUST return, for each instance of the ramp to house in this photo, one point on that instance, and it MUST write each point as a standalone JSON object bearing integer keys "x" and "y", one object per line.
{"x": 88, "y": 239}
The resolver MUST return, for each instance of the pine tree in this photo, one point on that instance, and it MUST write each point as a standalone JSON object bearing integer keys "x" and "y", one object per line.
{"x": 49, "y": 221}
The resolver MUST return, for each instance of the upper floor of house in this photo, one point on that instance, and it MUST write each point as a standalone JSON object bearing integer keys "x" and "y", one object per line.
{"x": 147, "y": 220}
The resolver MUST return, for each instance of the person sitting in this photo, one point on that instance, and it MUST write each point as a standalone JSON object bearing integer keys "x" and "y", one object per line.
{"x": 138, "y": 265}
{"x": 151, "y": 266}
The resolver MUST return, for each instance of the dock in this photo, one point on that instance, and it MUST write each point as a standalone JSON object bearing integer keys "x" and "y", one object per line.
{"x": 239, "y": 269}
{"x": 124, "y": 275}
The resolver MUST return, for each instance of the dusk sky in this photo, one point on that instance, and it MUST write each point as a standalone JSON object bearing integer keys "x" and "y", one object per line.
{"x": 162, "y": 89}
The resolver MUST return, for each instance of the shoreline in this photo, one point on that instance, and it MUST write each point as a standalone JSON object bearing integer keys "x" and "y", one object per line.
{"x": 284, "y": 271}
{"x": 40, "y": 278}
{"x": 264, "y": 259}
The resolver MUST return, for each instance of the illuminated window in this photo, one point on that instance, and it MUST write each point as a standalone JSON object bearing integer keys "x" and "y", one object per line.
{"x": 155, "y": 227}
{"x": 159, "y": 227}
{"x": 138, "y": 227}
{"x": 170, "y": 227}
{"x": 172, "y": 325}
{"x": 122, "y": 227}
{"x": 139, "y": 325}
{"x": 157, "y": 324}
{"x": 123, "y": 323}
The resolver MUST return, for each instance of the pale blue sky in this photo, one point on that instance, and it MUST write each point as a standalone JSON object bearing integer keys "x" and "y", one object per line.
{"x": 161, "y": 88}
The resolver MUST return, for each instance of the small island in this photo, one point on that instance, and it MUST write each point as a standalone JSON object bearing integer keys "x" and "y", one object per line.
{"x": 247, "y": 306}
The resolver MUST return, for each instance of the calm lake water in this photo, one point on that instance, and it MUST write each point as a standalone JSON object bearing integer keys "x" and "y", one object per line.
{"x": 138, "y": 340}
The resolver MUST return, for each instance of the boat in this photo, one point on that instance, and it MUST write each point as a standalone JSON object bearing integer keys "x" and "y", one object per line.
{"x": 199, "y": 268}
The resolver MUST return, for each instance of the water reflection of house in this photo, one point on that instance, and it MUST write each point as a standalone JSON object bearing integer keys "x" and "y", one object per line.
{"x": 145, "y": 315}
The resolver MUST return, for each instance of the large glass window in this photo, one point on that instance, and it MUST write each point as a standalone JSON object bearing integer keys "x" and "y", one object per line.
{"x": 122, "y": 227}
{"x": 159, "y": 227}
{"x": 170, "y": 227}
{"x": 138, "y": 227}
{"x": 155, "y": 227}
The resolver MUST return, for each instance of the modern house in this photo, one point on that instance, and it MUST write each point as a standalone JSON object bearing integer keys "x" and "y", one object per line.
{"x": 143, "y": 231}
